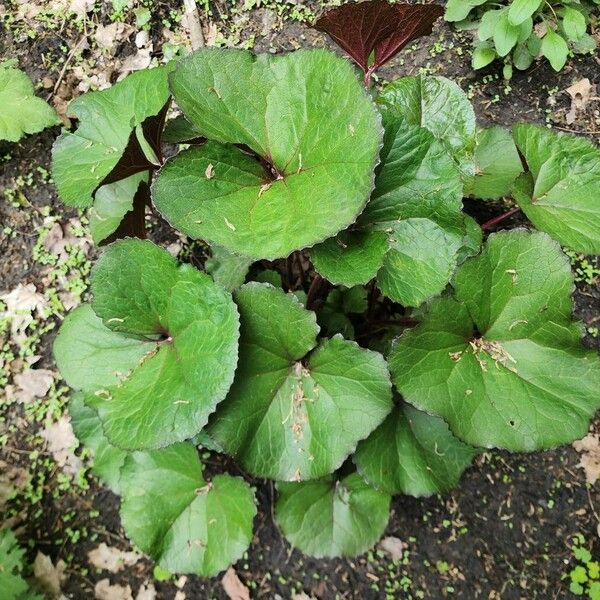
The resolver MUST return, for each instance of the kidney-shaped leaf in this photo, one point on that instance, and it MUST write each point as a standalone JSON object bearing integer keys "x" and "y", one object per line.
{"x": 561, "y": 193}
{"x": 377, "y": 26}
{"x": 186, "y": 524}
{"x": 295, "y": 139}
{"x": 412, "y": 453}
{"x": 161, "y": 352}
{"x": 332, "y": 517}
{"x": 22, "y": 111}
{"x": 501, "y": 362}
{"x": 411, "y": 233}
{"x": 127, "y": 116}
{"x": 295, "y": 412}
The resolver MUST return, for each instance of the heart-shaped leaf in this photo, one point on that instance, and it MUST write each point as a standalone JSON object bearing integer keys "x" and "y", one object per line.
{"x": 497, "y": 165}
{"x": 117, "y": 128}
{"x": 501, "y": 361}
{"x": 412, "y": 453}
{"x": 295, "y": 412}
{"x": 107, "y": 459}
{"x": 332, "y": 517}
{"x": 560, "y": 193}
{"x": 378, "y": 27}
{"x": 186, "y": 524}
{"x": 165, "y": 353}
{"x": 22, "y": 111}
{"x": 289, "y": 164}
{"x": 412, "y": 231}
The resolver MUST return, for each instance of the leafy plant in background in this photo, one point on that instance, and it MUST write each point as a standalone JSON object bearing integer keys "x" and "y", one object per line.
{"x": 22, "y": 111}
{"x": 521, "y": 31}
{"x": 12, "y": 583}
{"x": 295, "y": 178}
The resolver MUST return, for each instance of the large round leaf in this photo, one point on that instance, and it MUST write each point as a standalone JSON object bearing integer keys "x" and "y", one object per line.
{"x": 163, "y": 356}
{"x": 413, "y": 453}
{"x": 411, "y": 234}
{"x": 314, "y": 136}
{"x": 186, "y": 524}
{"x": 560, "y": 192}
{"x": 294, "y": 413}
{"x": 107, "y": 459}
{"x": 502, "y": 362}
{"x": 110, "y": 121}
{"x": 332, "y": 517}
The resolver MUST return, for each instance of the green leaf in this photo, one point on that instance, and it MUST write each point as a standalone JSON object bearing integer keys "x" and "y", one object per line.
{"x": 107, "y": 459}
{"x": 412, "y": 230}
{"x": 506, "y": 34}
{"x": 332, "y": 517}
{"x": 412, "y": 453}
{"x": 501, "y": 361}
{"x": 436, "y": 104}
{"x": 522, "y": 57}
{"x": 497, "y": 164}
{"x": 586, "y": 44}
{"x": 316, "y": 141}
{"x": 84, "y": 159}
{"x": 521, "y": 10}
{"x": 112, "y": 202}
{"x": 227, "y": 269}
{"x": 186, "y": 524}
{"x": 555, "y": 49}
{"x": 22, "y": 111}
{"x": 166, "y": 353}
{"x": 573, "y": 23}
{"x": 559, "y": 194}
{"x": 482, "y": 57}
{"x": 458, "y": 10}
{"x": 296, "y": 410}
{"x": 488, "y": 24}
{"x": 179, "y": 130}
{"x": 12, "y": 584}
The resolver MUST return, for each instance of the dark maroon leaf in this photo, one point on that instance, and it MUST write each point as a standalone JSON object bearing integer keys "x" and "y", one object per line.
{"x": 377, "y": 26}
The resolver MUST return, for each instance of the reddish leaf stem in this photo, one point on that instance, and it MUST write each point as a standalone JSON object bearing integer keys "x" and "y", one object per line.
{"x": 493, "y": 222}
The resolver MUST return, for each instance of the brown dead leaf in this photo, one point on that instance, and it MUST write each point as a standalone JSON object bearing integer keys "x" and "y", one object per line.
{"x": 104, "y": 591}
{"x": 81, "y": 7}
{"x": 580, "y": 94}
{"x": 111, "y": 559}
{"x": 12, "y": 479}
{"x": 33, "y": 383}
{"x": 61, "y": 442}
{"x": 20, "y": 304}
{"x": 109, "y": 35}
{"x": 147, "y": 591}
{"x": 48, "y": 576}
{"x": 589, "y": 448}
{"x": 233, "y": 586}
{"x": 393, "y": 546}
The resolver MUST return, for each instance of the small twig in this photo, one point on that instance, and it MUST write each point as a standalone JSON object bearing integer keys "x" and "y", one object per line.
{"x": 193, "y": 23}
{"x": 64, "y": 67}
{"x": 493, "y": 222}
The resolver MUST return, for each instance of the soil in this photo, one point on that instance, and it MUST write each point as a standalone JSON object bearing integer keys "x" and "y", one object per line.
{"x": 507, "y": 531}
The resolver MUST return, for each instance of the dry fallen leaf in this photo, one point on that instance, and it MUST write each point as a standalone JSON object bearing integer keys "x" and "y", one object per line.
{"x": 580, "y": 94}
{"x": 48, "y": 576}
{"x": 104, "y": 591}
{"x": 108, "y": 35}
{"x": 146, "y": 592}
{"x": 33, "y": 383}
{"x": 20, "y": 304}
{"x": 61, "y": 444}
{"x": 112, "y": 559}
{"x": 12, "y": 479}
{"x": 589, "y": 448}
{"x": 81, "y": 7}
{"x": 233, "y": 586}
{"x": 393, "y": 546}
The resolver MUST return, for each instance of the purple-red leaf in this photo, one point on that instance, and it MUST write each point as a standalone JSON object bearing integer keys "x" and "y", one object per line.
{"x": 377, "y": 26}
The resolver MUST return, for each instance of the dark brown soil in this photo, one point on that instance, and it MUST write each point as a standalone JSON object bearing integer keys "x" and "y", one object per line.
{"x": 505, "y": 533}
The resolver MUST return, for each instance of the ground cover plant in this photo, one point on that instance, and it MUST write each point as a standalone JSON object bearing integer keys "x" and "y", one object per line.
{"x": 521, "y": 31}
{"x": 298, "y": 178}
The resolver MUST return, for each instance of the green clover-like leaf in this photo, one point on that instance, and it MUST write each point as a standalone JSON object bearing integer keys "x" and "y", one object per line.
{"x": 158, "y": 353}
{"x": 412, "y": 453}
{"x": 117, "y": 128}
{"x": 22, "y": 111}
{"x": 297, "y": 410}
{"x": 501, "y": 361}
{"x": 186, "y": 524}
{"x": 295, "y": 139}
{"x": 332, "y": 517}
{"x": 412, "y": 233}
{"x": 12, "y": 584}
{"x": 560, "y": 192}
